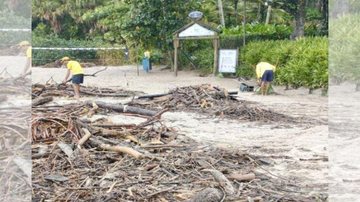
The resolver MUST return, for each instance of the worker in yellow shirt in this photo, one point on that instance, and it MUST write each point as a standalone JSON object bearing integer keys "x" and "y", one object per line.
{"x": 265, "y": 75}
{"x": 26, "y": 47}
{"x": 77, "y": 73}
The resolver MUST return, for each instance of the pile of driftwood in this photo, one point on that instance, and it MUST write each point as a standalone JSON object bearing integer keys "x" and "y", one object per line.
{"x": 65, "y": 90}
{"x": 76, "y": 158}
{"x": 15, "y": 147}
{"x": 13, "y": 85}
{"x": 212, "y": 100}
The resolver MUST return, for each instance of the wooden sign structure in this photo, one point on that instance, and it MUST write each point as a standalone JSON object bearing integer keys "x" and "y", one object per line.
{"x": 192, "y": 31}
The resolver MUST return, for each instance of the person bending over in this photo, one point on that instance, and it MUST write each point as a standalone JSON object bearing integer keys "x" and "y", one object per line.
{"x": 265, "y": 75}
{"x": 77, "y": 73}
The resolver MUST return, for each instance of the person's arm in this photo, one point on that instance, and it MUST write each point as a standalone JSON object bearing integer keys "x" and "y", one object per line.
{"x": 67, "y": 76}
{"x": 28, "y": 61}
{"x": 258, "y": 71}
{"x": 27, "y": 66}
{"x": 258, "y": 74}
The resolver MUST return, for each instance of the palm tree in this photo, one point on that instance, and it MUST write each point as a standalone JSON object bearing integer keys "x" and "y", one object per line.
{"x": 54, "y": 11}
{"x": 221, "y": 13}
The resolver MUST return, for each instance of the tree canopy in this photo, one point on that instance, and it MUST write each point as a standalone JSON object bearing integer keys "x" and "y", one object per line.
{"x": 150, "y": 23}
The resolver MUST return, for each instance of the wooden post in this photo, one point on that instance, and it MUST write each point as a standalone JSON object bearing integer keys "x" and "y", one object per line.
{"x": 137, "y": 62}
{"x": 268, "y": 15}
{"x": 216, "y": 55}
{"x": 176, "y": 45}
{"x": 244, "y": 25}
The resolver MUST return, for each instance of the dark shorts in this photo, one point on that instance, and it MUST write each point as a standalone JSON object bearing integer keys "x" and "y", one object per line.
{"x": 77, "y": 79}
{"x": 268, "y": 76}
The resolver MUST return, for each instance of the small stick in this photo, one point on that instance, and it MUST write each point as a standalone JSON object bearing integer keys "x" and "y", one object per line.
{"x": 84, "y": 138}
{"x": 120, "y": 149}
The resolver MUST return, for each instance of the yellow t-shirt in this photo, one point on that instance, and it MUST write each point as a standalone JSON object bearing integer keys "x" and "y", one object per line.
{"x": 262, "y": 67}
{"x": 75, "y": 67}
{"x": 28, "y": 52}
{"x": 147, "y": 54}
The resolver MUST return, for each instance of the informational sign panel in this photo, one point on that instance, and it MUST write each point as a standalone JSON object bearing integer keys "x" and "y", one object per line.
{"x": 228, "y": 60}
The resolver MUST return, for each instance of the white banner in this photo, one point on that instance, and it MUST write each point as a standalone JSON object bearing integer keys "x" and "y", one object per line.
{"x": 228, "y": 60}
{"x": 14, "y": 30}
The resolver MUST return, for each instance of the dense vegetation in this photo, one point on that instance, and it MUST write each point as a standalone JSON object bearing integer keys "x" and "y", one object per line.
{"x": 14, "y": 16}
{"x": 303, "y": 62}
{"x": 344, "y": 49}
{"x": 140, "y": 25}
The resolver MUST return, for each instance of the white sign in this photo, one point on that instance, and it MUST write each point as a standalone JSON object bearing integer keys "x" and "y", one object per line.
{"x": 196, "y": 30}
{"x": 228, "y": 60}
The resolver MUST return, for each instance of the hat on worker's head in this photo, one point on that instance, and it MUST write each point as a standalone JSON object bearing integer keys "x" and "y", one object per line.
{"x": 24, "y": 43}
{"x": 64, "y": 59}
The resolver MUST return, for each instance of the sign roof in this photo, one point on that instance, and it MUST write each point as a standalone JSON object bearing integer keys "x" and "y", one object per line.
{"x": 196, "y": 30}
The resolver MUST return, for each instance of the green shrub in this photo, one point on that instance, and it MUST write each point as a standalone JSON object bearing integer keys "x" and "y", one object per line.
{"x": 245, "y": 71}
{"x": 198, "y": 53}
{"x": 205, "y": 60}
{"x": 345, "y": 48}
{"x": 260, "y": 32}
{"x": 9, "y": 20}
{"x": 299, "y": 63}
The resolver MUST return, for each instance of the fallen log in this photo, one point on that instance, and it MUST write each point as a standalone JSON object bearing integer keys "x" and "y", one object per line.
{"x": 109, "y": 132}
{"x": 235, "y": 92}
{"x": 41, "y": 101}
{"x": 169, "y": 146}
{"x": 119, "y": 149}
{"x": 240, "y": 177}
{"x": 222, "y": 180}
{"x": 150, "y": 96}
{"x": 207, "y": 195}
{"x": 104, "y": 94}
{"x": 124, "y": 108}
{"x": 108, "y": 125}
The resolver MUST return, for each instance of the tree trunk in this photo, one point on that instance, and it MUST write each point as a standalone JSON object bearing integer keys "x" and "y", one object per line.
{"x": 236, "y": 10}
{"x": 268, "y": 13}
{"x": 319, "y": 4}
{"x": 325, "y": 16}
{"x": 221, "y": 13}
{"x": 299, "y": 20}
{"x": 258, "y": 16}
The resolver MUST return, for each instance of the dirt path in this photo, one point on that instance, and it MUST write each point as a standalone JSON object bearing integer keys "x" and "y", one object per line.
{"x": 297, "y": 153}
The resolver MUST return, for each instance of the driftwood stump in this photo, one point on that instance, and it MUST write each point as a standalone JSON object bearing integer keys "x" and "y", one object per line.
{"x": 41, "y": 100}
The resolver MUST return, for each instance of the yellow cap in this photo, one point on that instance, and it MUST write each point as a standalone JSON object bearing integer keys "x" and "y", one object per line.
{"x": 64, "y": 59}
{"x": 24, "y": 43}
